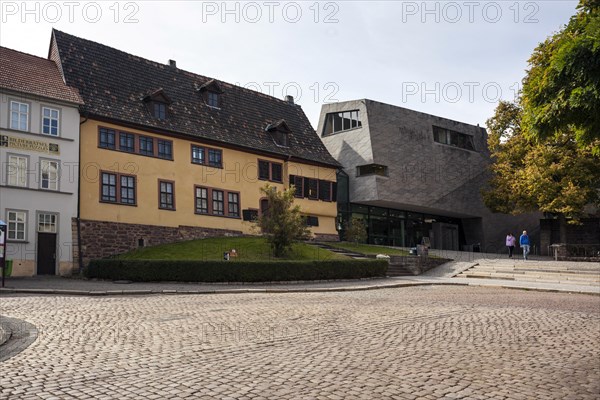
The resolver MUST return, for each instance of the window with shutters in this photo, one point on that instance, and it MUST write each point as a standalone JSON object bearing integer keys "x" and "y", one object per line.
{"x": 313, "y": 189}
{"x": 270, "y": 171}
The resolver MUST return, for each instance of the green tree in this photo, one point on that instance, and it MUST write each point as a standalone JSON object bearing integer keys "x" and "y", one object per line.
{"x": 282, "y": 223}
{"x": 553, "y": 175}
{"x": 561, "y": 91}
{"x": 356, "y": 230}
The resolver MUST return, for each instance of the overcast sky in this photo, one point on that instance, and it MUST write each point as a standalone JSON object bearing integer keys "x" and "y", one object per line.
{"x": 452, "y": 59}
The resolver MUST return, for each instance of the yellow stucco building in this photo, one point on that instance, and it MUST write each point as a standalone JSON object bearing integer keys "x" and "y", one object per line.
{"x": 168, "y": 155}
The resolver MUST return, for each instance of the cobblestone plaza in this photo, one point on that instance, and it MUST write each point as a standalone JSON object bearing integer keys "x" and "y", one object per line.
{"x": 428, "y": 342}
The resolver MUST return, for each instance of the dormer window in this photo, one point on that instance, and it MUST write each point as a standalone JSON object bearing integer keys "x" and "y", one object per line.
{"x": 160, "y": 110}
{"x": 157, "y": 104}
{"x": 212, "y": 99}
{"x": 211, "y": 93}
{"x": 279, "y": 132}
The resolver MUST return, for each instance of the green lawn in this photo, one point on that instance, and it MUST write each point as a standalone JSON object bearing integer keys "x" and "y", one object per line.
{"x": 248, "y": 249}
{"x": 369, "y": 249}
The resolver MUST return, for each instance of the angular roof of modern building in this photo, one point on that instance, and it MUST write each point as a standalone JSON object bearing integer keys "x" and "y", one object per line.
{"x": 114, "y": 85}
{"x": 27, "y": 73}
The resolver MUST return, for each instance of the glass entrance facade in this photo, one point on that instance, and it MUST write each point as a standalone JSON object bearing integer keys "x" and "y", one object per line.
{"x": 391, "y": 227}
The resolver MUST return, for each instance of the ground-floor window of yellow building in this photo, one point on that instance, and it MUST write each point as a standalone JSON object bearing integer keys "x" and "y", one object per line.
{"x": 166, "y": 195}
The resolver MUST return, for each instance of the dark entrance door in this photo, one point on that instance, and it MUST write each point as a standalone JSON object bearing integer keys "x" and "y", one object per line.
{"x": 46, "y": 253}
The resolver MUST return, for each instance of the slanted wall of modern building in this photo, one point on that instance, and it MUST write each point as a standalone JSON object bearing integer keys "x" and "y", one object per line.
{"x": 419, "y": 173}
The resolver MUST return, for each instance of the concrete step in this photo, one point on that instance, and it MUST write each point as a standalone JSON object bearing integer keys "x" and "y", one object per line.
{"x": 554, "y": 266}
{"x": 523, "y": 276}
{"x": 531, "y": 278}
{"x": 537, "y": 268}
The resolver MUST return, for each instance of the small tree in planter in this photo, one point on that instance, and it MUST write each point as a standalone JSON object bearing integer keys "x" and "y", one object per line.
{"x": 282, "y": 222}
{"x": 356, "y": 230}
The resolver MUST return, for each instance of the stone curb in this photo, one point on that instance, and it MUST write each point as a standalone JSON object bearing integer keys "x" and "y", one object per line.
{"x": 21, "y": 334}
{"x": 96, "y": 293}
{"x": 224, "y": 291}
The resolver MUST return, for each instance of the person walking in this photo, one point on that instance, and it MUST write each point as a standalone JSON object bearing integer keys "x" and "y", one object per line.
{"x": 524, "y": 243}
{"x": 510, "y": 243}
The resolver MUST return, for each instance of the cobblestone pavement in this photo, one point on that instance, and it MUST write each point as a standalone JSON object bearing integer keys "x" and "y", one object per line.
{"x": 428, "y": 342}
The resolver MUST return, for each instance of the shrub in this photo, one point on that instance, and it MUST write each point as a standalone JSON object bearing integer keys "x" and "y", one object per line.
{"x": 233, "y": 271}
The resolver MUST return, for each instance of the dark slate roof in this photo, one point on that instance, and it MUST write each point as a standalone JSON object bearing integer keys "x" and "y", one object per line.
{"x": 113, "y": 84}
{"x": 26, "y": 73}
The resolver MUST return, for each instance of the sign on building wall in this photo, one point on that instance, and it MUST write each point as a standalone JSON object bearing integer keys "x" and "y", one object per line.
{"x": 29, "y": 144}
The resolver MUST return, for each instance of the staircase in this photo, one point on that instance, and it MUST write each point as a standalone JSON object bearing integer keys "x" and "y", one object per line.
{"x": 573, "y": 273}
{"x": 393, "y": 270}
{"x": 398, "y": 270}
{"x": 347, "y": 253}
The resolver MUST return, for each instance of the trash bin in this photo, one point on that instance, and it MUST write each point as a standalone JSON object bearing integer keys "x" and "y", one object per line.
{"x": 8, "y": 268}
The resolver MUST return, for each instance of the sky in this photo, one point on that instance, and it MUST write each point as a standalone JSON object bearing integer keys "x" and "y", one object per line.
{"x": 455, "y": 59}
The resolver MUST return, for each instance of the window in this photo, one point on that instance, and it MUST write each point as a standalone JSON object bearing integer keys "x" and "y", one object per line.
{"x": 109, "y": 187}
{"x": 165, "y": 149}
{"x": 264, "y": 170}
{"x": 298, "y": 182}
{"x": 276, "y": 172}
{"x": 249, "y": 215}
{"x": 17, "y": 171}
{"x": 233, "y": 204}
{"x": 146, "y": 146}
{"x": 453, "y": 138}
{"x": 127, "y": 189}
{"x": 50, "y": 121}
{"x": 212, "y": 99}
{"x": 201, "y": 200}
{"x": 270, "y": 171}
{"x": 17, "y": 222}
{"x": 117, "y": 188}
{"x": 218, "y": 202}
{"x": 313, "y": 189}
{"x": 222, "y": 202}
{"x": 167, "y": 195}
{"x": 372, "y": 169}
{"x": 19, "y": 116}
{"x": 49, "y": 174}
{"x": 198, "y": 155}
{"x": 127, "y": 142}
{"x": 215, "y": 158}
{"x": 325, "y": 190}
{"x": 107, "y": 138}
{"x": 160, "y": 110}
{"x": 312, "y": 221}
{"x": 341, "y": 121}
{"x": 46, "y": 223}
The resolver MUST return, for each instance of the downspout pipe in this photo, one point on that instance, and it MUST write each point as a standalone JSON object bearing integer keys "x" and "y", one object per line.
{"x": 80, "y": 252}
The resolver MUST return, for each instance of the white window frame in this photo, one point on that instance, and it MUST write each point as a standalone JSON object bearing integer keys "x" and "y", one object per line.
{"x": 52, "y": 183}
{"x": 50, "y": 118}
{"x": 16, "y": 174}
{"x": 13, "y": 234}
{"x": 18, "y": 112}
{"x": 49, "y": 220}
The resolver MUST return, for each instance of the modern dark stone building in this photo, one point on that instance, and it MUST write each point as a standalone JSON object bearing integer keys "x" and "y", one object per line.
{"x": 413, "y": 175}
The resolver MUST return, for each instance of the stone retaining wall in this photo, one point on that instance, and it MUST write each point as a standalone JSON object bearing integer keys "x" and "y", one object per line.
{"x": 101, "y": 239}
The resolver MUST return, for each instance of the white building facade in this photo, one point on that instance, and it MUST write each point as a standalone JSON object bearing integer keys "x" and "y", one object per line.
{"x": 39, "y": 159}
